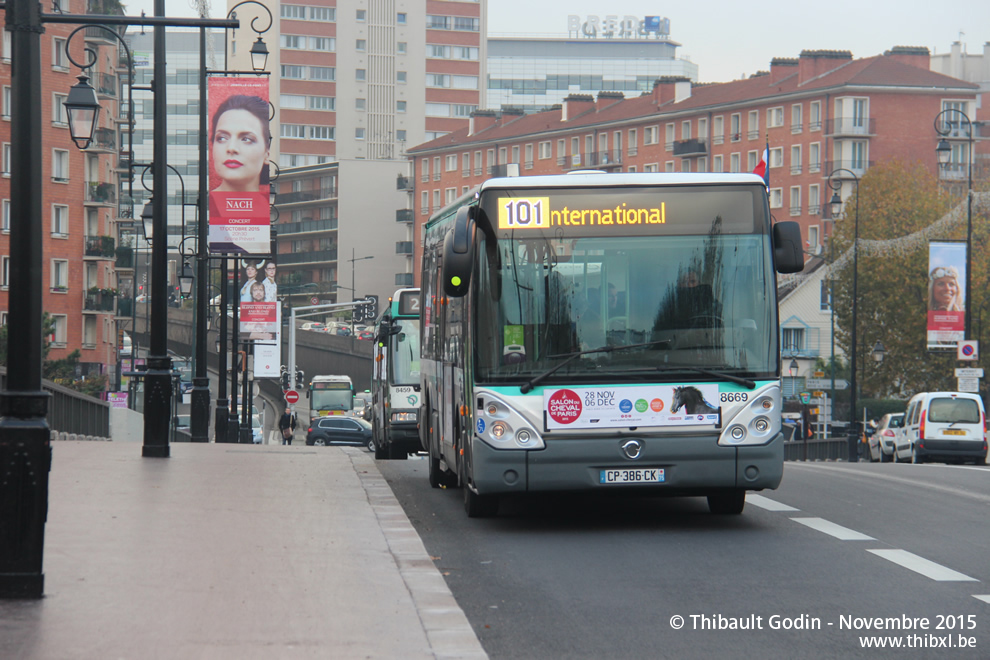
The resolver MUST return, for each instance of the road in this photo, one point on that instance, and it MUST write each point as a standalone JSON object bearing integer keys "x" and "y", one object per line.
{"x": 835, "y": 547}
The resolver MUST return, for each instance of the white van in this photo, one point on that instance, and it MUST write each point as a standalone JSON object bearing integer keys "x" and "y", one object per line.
{"x": 949, "y": 426}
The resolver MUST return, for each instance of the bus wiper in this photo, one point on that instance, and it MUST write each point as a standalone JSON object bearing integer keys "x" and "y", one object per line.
{"x": 536, "y": 380}
{"x": 745, "y": 382}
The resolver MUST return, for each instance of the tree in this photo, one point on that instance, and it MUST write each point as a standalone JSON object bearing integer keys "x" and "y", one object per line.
{"x": 901, "y": 209}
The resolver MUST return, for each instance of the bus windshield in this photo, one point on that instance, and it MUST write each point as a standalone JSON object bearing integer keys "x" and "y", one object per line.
{"x": 695, "y": 290}
{"x": 336, "y": 397}
{"x": 405, "y": 352}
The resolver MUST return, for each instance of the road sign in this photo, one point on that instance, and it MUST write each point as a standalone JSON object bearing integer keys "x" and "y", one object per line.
{"x": 968, "y": 385}
{"x": 805, "y": 397}
{"x": 969, "y": 373}
{"x": 314, "y": 301}
{"x": 819, "y": 374}
{"x": 968, "y": 350}
{"x": 291, "y": 396}
{"x": 825, "y": 383}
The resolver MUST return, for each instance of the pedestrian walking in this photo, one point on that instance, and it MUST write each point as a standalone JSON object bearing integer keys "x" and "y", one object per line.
{"x": 287, "y": 426}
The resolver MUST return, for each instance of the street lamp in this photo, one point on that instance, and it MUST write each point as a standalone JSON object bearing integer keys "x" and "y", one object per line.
{"x": 83, "y": 109}
{"x": 186, "y": 280}
{"x": 836, "y": 207}
{"x": 878, "y": 352}
{"x": 148, "y": 220}
{"x": 944, "y": 153}
{"x": 354, "y": 259}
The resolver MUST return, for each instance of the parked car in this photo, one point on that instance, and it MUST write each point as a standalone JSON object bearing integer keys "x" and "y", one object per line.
{"x": 315, "y": 326}
{"x": 339, "y": 430}
{"x": 257, "y": 429}
{"x": 882, "y": 440}
{"x": 126, "y": 346}
{"x": 948, "y": 426}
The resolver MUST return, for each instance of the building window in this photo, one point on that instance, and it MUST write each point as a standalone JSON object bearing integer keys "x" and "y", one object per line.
{"x": 424, "y": 202}
{"x": 734, "y": 163}
{"x": 327, "y": 14}
{"x": 751, "y": 160}
{"x": 796, "y": 159}
{"x": 515, "y": 155}
{"x": 813, "y": 200}
{"x": 776, "y": 198}
{"x": 358, "y": 133}
{"x": 59, "y": 326}
{"x": 651, "y": 167}
{"x": 795, "y": 200}
{"x": 437, "y": 80}
{"x": 465, "y": 164}
{"x": 466, "y": 23}
{"x": 59, "y": 117}
{"x": 360, "y": 75}
{"x": 291, "y": 41}
{"x": 775, "y": 117}
{"x": 436, "y": 51}
{"x": 361, "y": 15}
{"x": 401, "y": 47}
{"x": 450, "y": 163}
{"x": 400, "y": 18}
{"x": 735, "y": 127}
{"x": 400, "y": 76}
{"x": 792, "y": 341}
{"x": 6, "y": 216}
{"x": 326, "y": 73}
{"x": 814, "y": 243}
{"x": 669, "y": 133}
{"x": 718, "y": 130}
{"x": 753, "y": 125}
{"x": 529, "y": 156}
{"x": 325, "y": 44}
{"x": 825, "y": 296}
{"x": 60, "y": 220}
{"x": 815, "y": 116}
{"x": 59, "y": 59}
{"x": 702, "y": 164}
{"x": 814, "y": 157}
{"x": 797, "y": 118}
{"x": 686, "y": 130}
{"x": 6, "y": 102}
{"x": 5, "y": 273}
{"x": 450, "y": 194}
{"x": 360, "y": 104}
{"x": 776, "y": 157}
{"x": 545, "y": 150}
{"x": 717, "y": 163}
{"x": 361, "y": 45}
{"x": 400, "y": 135}
{"x": 60, "y": 165}
{"x": 400, "y": 106}
{"x": 292, "y": 71}
{"x": 60, "y": 274}
{"x": 651, "y": 135}
{"x": 436, "y": 199}
{"x": 633, "y": 142}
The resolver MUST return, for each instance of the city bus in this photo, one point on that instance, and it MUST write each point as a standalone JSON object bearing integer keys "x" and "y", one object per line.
{"x": 330, "y": 395}
{"x": 605, "y": 332}
{"x": 395, "y": 378}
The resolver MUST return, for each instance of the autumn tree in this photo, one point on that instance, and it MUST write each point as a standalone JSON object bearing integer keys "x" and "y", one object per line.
{"x": 901, "y": 209}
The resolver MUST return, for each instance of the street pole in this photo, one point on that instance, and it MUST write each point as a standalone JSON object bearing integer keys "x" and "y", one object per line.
{"x": 199, "y": 413}
{"x": 221, "y": 415}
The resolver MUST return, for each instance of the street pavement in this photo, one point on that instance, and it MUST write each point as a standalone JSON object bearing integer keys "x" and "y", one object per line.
{"x": 231, "y": 551}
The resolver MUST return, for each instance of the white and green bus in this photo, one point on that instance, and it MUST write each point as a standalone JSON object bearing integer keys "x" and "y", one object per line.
{"x": 395, "y": 378}
{"x": 610, "y": 332}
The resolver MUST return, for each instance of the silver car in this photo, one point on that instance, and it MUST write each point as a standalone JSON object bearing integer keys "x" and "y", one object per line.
{"x": 882, "y": 440}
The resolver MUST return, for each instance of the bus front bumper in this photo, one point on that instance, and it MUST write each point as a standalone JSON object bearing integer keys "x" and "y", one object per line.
{"x": 690, "y": 465}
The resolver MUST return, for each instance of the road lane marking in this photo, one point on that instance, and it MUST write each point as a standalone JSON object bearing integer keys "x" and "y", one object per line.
{"x": 984, "y": 598}
{"x": 923, "y": 566}
{"x": 914, "y": 483}
{"x": 830, "y": 528}
{"x": 768, "y": 504}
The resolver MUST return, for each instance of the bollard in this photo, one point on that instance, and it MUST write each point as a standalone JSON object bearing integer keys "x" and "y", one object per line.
{"x": 853, "y": 439}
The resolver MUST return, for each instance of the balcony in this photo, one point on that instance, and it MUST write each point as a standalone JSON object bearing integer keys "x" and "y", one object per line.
{"x": 105, "y": 84}
{"x": 101, "y": 247}
{"x": 843, "y": 126}
{"x": 404, "y": 247}
{"x": 797, "y": 128}
{"x": 404, "y": 183}
{"x": 953, "y": 172}
{"x": 125, "y": 258}
{"x": 599, "y": 159}
{"x": 104, "y": 141}
{"x": 101, "y": 192}
{"x": 690, "y": 148}
{"x": 95, "y": 34}
{"x": 306, "y": 227}
{"x": 304, "y": 196}
{"x": 403, "y": 215}
{"x": 99, "y": 300}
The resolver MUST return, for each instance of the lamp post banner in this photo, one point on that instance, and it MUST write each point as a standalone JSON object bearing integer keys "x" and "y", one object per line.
{"x": 946, "y": 295}
{"x": 240, "y": 136}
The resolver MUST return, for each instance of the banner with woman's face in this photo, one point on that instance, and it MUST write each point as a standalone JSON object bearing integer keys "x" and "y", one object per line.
{"x": 946, "y": 295}
{"x": 240, "y": 137}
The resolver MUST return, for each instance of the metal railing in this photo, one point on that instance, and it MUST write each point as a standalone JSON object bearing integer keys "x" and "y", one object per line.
{"x": 72, "y": 412}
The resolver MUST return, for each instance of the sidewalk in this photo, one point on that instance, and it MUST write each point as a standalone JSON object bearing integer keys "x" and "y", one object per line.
{"x": 231, "y": 551}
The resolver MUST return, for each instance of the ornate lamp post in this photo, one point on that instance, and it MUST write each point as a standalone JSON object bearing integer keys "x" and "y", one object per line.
{"x": 836, "y": 207}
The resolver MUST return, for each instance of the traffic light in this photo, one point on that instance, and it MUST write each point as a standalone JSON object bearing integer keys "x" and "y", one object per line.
{"x": 370, "y": 307}
{"x": 357, "y": 312}
{"x": 285, "y": 381}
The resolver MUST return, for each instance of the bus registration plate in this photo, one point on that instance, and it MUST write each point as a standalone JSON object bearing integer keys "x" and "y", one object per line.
{"x": 631, "y": 476}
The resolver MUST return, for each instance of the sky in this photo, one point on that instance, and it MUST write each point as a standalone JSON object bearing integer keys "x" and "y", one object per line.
{"x": 730, "y": 39}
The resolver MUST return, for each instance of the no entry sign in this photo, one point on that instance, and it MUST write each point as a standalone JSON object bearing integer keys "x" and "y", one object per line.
{"x": 291, "y": 396}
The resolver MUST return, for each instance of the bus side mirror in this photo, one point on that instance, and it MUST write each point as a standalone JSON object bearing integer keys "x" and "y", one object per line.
{"x": 787, "y": 253}
{"x": 458, "y": 253}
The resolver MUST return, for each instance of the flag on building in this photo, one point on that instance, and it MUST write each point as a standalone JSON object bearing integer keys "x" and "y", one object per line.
{"x": 763, "y": 167}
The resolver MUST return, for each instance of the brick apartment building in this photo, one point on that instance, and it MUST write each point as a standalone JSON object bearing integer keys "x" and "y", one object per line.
{"x": 79, "y": 249}
{"x": 819, "y": 112}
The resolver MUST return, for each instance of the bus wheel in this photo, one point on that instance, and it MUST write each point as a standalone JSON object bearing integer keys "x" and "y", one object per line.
{"x": 436, "y": 477}
{"x": 727, "y": 503}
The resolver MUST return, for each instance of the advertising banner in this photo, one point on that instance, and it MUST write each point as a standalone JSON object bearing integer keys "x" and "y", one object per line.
{"x": 267, "y": 360}
{"x": 258, "y": 318}
{"x": 240, "y": 136}
{"x": 647, "y": 405}
{"x": 946, "y": 295}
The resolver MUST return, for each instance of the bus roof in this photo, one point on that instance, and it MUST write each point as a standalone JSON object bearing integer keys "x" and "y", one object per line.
{"x": 597, "y": 178}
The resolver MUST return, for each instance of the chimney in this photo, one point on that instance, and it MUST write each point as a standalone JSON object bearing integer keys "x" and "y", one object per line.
{"x": 917, "y": 56}
{"x": 575, "y": 104}
{"x": 668, "y": 89}
{"x": 781, "y": 67}
{"x": 605, "y": 99}
{"x": 814, "y": 63}
{"x": 480, "y": 120}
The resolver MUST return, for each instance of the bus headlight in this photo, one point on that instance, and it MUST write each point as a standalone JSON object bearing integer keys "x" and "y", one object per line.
{"x": 499, "y": 429}
{"x": 407, "y": 416}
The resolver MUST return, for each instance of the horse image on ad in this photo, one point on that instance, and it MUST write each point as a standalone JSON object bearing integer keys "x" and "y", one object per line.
{"x": 691, "y": 399}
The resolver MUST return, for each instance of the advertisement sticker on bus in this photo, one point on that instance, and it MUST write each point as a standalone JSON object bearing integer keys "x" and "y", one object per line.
{"x": 647, "y": 405}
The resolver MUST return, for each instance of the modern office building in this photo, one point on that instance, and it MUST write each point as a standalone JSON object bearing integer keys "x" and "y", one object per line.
{"x": 534, "y": 73}
{"x": 80, "y": 250}
{"x": 353, "y": 85}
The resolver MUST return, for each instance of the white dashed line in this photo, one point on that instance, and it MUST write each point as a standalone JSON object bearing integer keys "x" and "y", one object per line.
{"x": 768, "y": 504}
{"x": 830, "y": 528}
{"x": 923, "y": 566}
{"x": 984, "y": 597}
